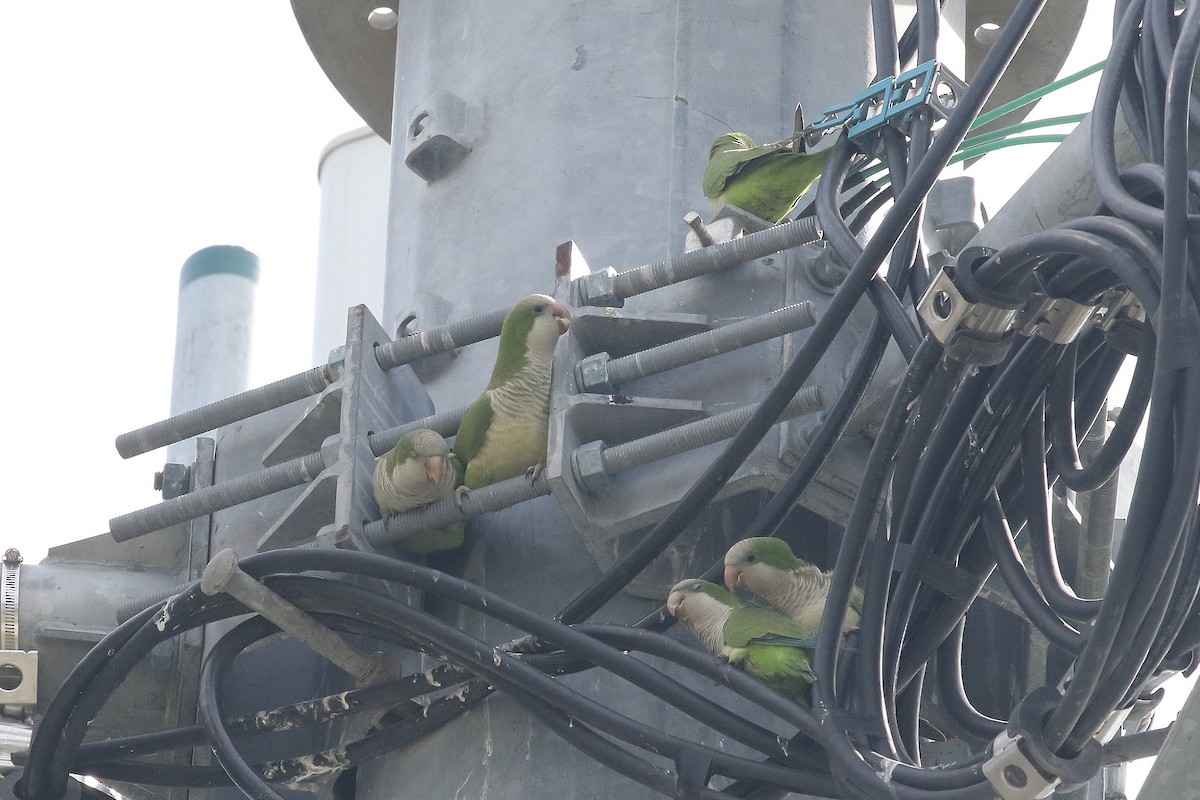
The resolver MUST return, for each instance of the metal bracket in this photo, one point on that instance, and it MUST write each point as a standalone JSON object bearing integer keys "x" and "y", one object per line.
{"x": 1122, "y": 317}
{"x": 441, "y": 132}
{"x": 1115, "y": 306}
{"x": 1056, "y": 319}
{"x": 1112, "y": 726}
{"x": 891, "y": 101}
{"x": 1012, "y": 774}
{"x": 974, "y": 333}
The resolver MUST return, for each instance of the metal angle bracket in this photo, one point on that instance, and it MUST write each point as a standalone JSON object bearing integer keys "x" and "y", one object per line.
{"x": 371, "y": 399}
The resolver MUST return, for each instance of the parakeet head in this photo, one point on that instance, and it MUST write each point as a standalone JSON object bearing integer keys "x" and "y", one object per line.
{"x": 424, "y": 452}
{"x": 692, "y": 597}
{"x": 730, "y": 141}
{"x": 754, "y": 557}
{"x": 530, "y": 332}
{"x": 702, "y": 607}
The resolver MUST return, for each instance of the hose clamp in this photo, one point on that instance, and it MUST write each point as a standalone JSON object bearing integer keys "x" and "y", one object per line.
{"x": 10, "y": 588}
{"x": 18, "y": 669}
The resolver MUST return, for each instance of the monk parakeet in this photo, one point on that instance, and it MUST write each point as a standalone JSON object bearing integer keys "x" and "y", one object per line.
{"x": 765, "y": 180}
{"x": 767, "y": 567}
{"x": 503, "y": 433}
{"x": 418, "y": 470}
{"x": 763, "y": 642}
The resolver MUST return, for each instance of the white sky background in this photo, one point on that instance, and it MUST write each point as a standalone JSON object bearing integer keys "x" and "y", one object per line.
{"x": 134, "y": 134}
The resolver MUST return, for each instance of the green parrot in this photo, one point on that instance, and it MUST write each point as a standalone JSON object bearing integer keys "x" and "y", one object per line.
{"x": 765, "y": 180}
{"x": 503, "y": 433}
{"x": 766, "y": 566}
{"x": 419, "y": 470}
{"x": 763, "y": 642}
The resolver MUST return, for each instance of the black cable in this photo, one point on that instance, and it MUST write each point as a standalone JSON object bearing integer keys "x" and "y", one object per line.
{"x": 953, "y": 694}
{"x": 1059, "y": 596}
{"x": 1016, "y": 578}
{"x": 1064, "y": 455}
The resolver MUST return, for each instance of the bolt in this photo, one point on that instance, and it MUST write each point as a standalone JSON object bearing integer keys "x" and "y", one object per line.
{"x": 695, "y": 223}
{"x": 12, "y": 556}
{"x": 224, "y": 575}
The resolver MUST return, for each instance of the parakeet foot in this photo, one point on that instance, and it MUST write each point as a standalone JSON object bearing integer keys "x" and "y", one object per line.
{"x": 534, "y": 472}
{"x": 460, "y": 495}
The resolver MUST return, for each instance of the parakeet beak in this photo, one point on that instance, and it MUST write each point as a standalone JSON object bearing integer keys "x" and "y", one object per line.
{"x": 733, "y": 578}
{"x": 562, "y": 316}
{"x": 675, "y": 606}
{"x": 434, "y": 465}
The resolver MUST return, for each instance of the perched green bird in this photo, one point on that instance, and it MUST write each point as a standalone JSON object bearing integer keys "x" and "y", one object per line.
{"x": 419, "y": 470}
{"x": 765, "y": 180}
{"x": 766, "y": 566}
{"x": 763, "y": 642}
{"x": 503, "y": 433}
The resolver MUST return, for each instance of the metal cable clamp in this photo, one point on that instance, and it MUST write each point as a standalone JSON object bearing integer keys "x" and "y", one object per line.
{"x": 1023, "y": 767}
{"x": 971, "y": 332}
{"x": 1055, "y": 319}
{"x": 1121, "y": 315}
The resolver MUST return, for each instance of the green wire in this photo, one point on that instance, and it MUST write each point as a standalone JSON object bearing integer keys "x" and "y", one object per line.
{"x": 1036, "y": 94}
{"x": 1000, "y": 133}
{"x": 996, "y": 140}
{"x": 972, "y": 152}
{"x": 974, "y": 143}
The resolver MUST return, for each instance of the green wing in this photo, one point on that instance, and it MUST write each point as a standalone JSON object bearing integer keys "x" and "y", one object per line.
{"x": 729, "y": 154}
{"x": 772, "y": 648}
{"x": 472, "y": 431}
{"x": 753, "y": 624}
{"x": 771, "y": 185}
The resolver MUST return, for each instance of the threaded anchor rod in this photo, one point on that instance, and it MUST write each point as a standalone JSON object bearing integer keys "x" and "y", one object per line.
{"x": 223, "y": 411}
{"x": 397, "y": 528}
{"x": 495, "y": 497}
{"x": 711, "y": 343}
{"x": 700, "y": 433}
{"x": 129, "y": 608}
{"x": 445, "y": 423}
{"x": 456, "y": 334}
{"x": 717, "y": 257}
{"x": 392, "y": 354}
{"x": 420, "y": 344}
{"x": 214, "y": 498}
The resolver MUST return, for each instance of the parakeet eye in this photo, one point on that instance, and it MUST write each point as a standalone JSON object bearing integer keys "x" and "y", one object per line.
{"x": 750, "y": 559}
{"x": 537, "y": 309}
